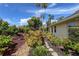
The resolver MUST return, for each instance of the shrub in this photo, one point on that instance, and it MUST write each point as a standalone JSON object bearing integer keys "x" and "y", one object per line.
{"x": 4, "y": 40}
{"x": 2, "y": 50}
{"x": 76, "y": 47}
{"x": 74, "y": 33}
{"x": 49, "y": 36}
{"x": 38, "y": 43}
{"x": 40, "y": 51}
{"x": 34, "y": 23}
{"x": 57, "y": 41}
{"x": 33, "y": 38}
{"x": 68, "y": 44}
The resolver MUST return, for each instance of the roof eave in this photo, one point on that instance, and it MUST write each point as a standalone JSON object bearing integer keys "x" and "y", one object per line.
{"x": 67, "y": 19}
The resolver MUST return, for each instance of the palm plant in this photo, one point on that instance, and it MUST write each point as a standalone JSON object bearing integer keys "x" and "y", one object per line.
{"x": 50, "y": 17}
{"x": 43, "y": 6}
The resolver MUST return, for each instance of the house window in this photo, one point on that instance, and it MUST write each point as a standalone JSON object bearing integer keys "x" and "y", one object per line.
{"x": 55, "y": 29}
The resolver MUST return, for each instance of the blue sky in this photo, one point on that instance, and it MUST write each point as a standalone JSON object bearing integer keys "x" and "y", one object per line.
{"x": 19, "y": 13}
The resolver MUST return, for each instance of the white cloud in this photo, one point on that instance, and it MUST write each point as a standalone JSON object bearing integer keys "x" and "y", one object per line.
{"x": 55, "y": 11}
{"x": 44, "y": 23}
{"x": 8, "y": 20}
{"x": 52, "y": 5}
{"x": 24, "y": 21}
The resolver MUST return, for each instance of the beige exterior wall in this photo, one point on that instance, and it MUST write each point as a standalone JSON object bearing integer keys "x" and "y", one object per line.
{"x": 77, "y": 23}
{"x": 61, "y": 31}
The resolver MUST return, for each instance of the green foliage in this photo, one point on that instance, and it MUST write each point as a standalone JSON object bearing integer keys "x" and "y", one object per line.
{"x": 76, "y": 47}
{"x": 50, "y": 17}
{"x": 61, "y": 18}
{"x": 53, "y": 39}
{"x": 40, "y": 51}
{"x": 68, "y": 44}
{"x": 74, "y": 33}
{"x": 57, "y": 41}
{"x": 42, "y": 5}
{"x": 4, "y": 25}
{"x": 4, "y": 40}
{"x": 24, "y": 29}
{"x": 12, "y": 30}
{"x": 49, "y": 36}
{"x": 2, "y": 50}
{"x": 5, "y": 29}
{"x": 34, "y": 23}
{"x": 33, "y": 38}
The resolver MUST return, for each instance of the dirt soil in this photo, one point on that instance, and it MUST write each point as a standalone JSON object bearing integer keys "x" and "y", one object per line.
{"x": 18, "y": 47}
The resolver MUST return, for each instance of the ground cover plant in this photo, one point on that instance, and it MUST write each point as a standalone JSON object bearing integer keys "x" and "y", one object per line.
{"x": 4, "y": 42}
{"x": 40, "y": 51}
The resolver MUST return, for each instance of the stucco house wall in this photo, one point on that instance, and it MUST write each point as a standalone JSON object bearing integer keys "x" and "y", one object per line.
{"x": 77, "y": 23}
{"x": 61, "y": 30}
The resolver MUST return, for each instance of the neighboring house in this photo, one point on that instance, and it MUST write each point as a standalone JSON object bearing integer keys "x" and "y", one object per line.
{"x": 60, "y": 28}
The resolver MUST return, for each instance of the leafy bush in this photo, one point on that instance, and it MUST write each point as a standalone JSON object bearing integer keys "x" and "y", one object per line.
{"x": 4, "y": 40}
{"x": 49, "y": 35}
{"x": 5, "y": 29}
{"x": 34, "y": 23}
{"x": 40, "y": 51}
{"x": 74, "y": 33}
{"x": 57, "y": 41}
{"x": 33, "y": 38}
{"x": 12, "y": 30}
{"x": 2, "y": 50}
{"x": 76, "y": 47}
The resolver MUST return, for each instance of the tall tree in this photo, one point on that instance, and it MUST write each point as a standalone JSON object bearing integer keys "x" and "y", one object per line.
{"x": 42, "y": 5}
{"x": 61, "y": 18}
{"x": 34, "y": 23}
{"x": 50, "y": 17}
{"x": 1, "y": 21}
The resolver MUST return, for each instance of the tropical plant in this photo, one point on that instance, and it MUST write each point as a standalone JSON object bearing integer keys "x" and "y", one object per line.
{"x": 34, "y": 23}
{"x": 40, "y": 51}
{"x": 61, "y": 18}
{"x": 74, "y": 33}
{"x": 50, "y": 17}
{"x": 33, "y": 38}
{"x": 12, "y": 30}
{"x": 4, "y": 40}
{"x": 3, "y": 27}
{"x": 42, "y": 5}
{"x": 76, "y": 47}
